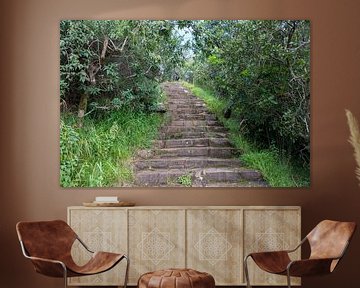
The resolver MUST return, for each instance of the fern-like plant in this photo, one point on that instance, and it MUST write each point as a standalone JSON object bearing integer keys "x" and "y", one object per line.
{"x": 354, "y": 139}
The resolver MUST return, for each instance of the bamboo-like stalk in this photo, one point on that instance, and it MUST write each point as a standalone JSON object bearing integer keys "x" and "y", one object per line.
{"x": 354, "y": 139}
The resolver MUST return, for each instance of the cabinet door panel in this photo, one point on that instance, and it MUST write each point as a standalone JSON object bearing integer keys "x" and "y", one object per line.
{"x": 270, "y": 230}
{"x": 100, "y": 230}
{"x": 214, "y": 244}
{"x": 156, "y": 240}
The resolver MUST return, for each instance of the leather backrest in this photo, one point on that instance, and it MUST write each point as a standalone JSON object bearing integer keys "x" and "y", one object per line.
{"x": 329, "y": 238}
{"x": 47, "y": 239}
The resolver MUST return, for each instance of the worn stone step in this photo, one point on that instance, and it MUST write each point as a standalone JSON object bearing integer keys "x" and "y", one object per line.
{"x": 192, "y": 142}
{"x": 213, "y": 152}
{"x": 189, "y": 107}
{"x": 183, "y": 99}
{"x": 191, "y": 110}
{"x": 203, "y": 116}
{"x": 196, "y": 177}
{"x": 177, "y": 129}
{"x": 185, "y": 102}
{"x": 182, "y": 96}
{"x": 190, "y": 134}
{"x": 244, "y": 183}
{"x": 194, "y": 123}
{"x": 185, "y": 163}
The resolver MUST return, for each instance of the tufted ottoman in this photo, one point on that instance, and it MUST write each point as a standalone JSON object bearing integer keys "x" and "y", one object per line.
{"x": 176, "y": 278}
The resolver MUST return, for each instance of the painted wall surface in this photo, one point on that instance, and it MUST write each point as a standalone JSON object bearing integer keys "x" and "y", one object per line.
{"x": 29, "y": 119}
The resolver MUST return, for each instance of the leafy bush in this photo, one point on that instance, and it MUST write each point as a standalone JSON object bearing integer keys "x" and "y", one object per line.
{"x": 262, "y": 70}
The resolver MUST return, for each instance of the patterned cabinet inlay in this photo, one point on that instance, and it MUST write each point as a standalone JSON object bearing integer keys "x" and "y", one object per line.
{"x": 211, "y": 239}
{"x": 156, "y": 240}
{"x": 100, "y": 230}
{"x": 269, "y": 230}
{"x": 214, "y": 241}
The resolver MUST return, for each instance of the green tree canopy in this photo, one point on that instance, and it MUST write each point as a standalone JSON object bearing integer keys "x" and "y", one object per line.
{"x": 262, "y": 68}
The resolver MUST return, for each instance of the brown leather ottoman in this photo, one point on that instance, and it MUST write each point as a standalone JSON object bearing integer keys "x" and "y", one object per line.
{"x": 176, "y": 278}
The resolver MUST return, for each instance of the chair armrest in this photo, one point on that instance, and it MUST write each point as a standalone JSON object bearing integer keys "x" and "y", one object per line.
{"x": 48, "y": 267}
{"x": 268, "y": 254}
{"x": 309, "y": 267}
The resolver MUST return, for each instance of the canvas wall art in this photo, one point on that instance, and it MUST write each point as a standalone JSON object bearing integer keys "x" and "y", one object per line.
{"x": 185, "y": 103}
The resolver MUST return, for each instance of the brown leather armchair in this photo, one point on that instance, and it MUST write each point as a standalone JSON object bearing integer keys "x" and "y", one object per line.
{"x": 48, "y": 245}
{"x": 328, "y": 242}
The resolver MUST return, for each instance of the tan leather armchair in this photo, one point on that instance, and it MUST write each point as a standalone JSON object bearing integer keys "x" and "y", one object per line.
{"x": 328, "y": 242}
{"x": 48, "y": 245}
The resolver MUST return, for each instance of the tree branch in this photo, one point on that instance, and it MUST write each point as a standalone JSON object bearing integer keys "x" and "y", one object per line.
{"x": 103, "y": 52}
{"x": 116, "y": 48}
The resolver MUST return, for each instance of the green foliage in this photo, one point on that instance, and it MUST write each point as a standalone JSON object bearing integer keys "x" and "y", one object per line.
{"x": 185, "y": 180}
{"x": 277, "y": 169}
{"x": 98, "y": 154}
{"x": 138, "y": 55}
{"x": 262, "y": 71}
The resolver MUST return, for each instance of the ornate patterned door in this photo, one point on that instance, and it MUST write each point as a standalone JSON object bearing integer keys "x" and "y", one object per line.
{"x": 156, "y": 240}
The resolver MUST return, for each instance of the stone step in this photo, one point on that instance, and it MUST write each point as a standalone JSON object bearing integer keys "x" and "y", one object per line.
{"x": 192, "y": 142}
{"x": 182, "y": 96}
{"x": 213, "y": 152}
{"x": 194, "y": 123}
{"x": 185, "y": 102}
{"x": 190, "y": 135}
{"x": 180, "y": 129}
{"x": 259, "y": 183}
{"x": 193, "y": 110}
{"x": 202, "y": 116}
{"x": 190, "y": 107}
{"x": 196, "y": 177}
{"x": 245, "y": 184}
{"x": 186, "y": 163}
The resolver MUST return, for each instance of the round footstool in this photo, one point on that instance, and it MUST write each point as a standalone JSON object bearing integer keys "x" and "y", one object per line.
{"x": 176, "y": 278}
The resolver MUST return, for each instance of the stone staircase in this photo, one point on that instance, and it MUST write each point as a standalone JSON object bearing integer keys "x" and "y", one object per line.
{"x": 192, "y": 149}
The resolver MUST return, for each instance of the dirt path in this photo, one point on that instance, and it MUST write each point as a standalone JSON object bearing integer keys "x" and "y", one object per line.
{"x": 192, "y": 149}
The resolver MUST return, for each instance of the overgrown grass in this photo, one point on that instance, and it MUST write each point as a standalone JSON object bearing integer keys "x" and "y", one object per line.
{"x": 98, "y": 154}
{"x": 277, "y": 170}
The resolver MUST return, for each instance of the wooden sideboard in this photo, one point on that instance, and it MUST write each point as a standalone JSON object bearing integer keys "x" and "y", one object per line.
{"x": 212, "y": 239}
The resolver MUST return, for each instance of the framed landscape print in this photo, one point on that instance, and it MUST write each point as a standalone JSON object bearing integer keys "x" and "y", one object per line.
{"x": 184, "y": 103}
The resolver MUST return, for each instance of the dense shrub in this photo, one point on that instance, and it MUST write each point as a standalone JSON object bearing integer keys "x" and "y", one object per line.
{"x": 103, "y": 60}
{"x": 262, "y": 69}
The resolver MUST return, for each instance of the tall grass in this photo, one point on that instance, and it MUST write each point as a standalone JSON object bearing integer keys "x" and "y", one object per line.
{"x": 99, "y": 153}
{"x": 278, "y": 170}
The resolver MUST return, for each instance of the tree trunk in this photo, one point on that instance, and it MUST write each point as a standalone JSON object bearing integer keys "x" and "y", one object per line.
{"x": 82, "y": 108}
{"x": 93, "y": 69}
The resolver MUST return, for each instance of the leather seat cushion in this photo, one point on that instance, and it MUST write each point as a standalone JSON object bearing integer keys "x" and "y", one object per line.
{"x": 176, "y": 278}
